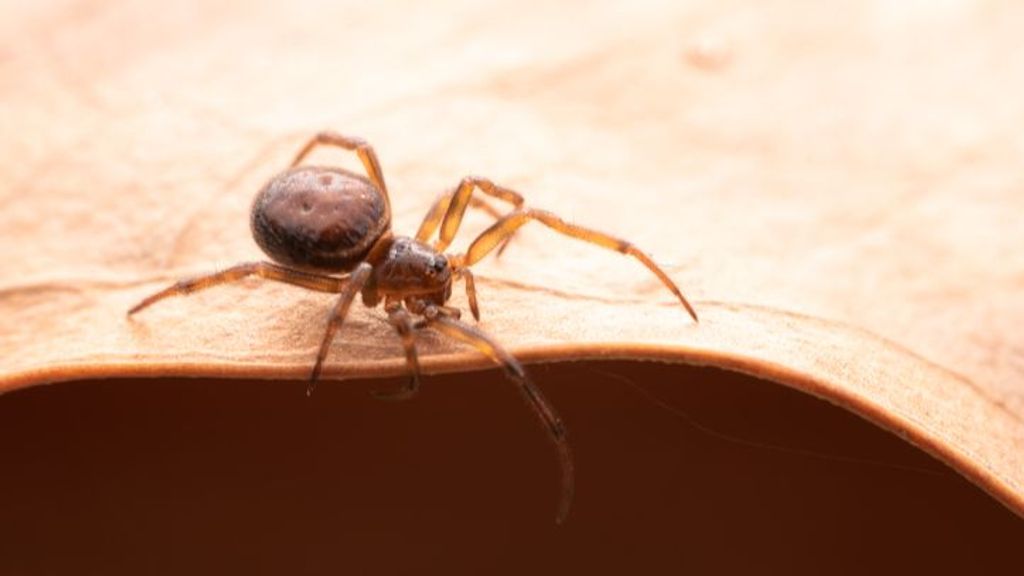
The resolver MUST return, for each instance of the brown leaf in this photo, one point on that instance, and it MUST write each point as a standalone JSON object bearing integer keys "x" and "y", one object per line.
{"x": 840, "y": 198}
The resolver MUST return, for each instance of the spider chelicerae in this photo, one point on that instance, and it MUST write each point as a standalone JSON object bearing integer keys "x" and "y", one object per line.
{"x": 329, "y": 229}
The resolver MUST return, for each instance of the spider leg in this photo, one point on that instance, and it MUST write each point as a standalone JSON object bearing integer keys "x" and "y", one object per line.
{"x": 437, "y": 210}
{"x": 318, "y": 282}
{"x": 501, "y": 229}
{"x": 440, "y": 206}
{"x": 467, "y": 275}
{"x": 356, "y": 280}
{"x": 402, "y": 321}
{"x": 450, "y": 312}
{"x": 457, "y": 202}
{"x": 353, "y": 144}
{"x": 536, "y": 400}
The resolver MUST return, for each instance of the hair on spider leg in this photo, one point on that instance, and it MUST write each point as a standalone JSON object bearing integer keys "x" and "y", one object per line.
{"x": 689, "y": 420}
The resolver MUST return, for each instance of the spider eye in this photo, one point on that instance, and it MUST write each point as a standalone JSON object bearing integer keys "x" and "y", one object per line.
{"x": 438, "y": 266}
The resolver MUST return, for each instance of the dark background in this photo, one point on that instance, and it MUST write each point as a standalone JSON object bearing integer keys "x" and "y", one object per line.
{"x": 679, "y": 470}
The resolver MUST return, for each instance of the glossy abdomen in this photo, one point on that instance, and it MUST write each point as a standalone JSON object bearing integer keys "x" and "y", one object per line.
{"x": 319, "y": 217}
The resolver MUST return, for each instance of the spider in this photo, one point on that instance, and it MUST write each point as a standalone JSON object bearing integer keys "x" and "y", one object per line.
{"x": 329, "y": 229}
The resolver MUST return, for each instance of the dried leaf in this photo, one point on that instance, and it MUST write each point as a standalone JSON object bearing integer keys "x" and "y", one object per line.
{"x": 840, "y": 198}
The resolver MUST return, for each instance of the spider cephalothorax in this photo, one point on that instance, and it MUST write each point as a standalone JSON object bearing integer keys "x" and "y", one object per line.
{"x": 329, "y": 229}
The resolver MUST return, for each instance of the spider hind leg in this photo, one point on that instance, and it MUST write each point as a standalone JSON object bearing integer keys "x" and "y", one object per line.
{"x": 267, "y": 270}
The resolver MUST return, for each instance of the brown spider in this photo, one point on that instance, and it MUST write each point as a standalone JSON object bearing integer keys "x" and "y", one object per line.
{"x": 329, "y": 230}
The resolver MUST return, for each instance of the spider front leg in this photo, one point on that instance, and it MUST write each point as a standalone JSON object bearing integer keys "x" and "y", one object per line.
{"x": 507, "y": 226}
{"x": 318, "y": 282}
{"x": 401, "y": 320}
{"x": 356, "y": 281}
{"x": 437, "y": 211}
{"x": 467, "y": 276}
{"x": 453, "y": 207}
{"x": 440, "y": 206}
{"x": 433, "y": 318}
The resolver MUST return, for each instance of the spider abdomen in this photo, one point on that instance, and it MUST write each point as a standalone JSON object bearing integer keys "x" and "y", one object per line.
{"x": 319, "y": 217}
